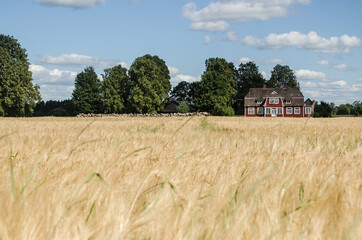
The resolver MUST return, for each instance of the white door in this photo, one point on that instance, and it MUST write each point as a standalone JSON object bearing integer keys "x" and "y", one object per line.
{"x": 274, "y": 112}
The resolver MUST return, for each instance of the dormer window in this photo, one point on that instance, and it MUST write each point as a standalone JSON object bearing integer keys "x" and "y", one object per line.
{"x": 274, "y": 92}
{"x": 274, "y": 100}
{"x": 288, "y": 102}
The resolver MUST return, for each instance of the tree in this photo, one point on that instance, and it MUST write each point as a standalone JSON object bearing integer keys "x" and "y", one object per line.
{"x": 183, "y": 107}
{"x": 18, "y": 95}
{"x": 248, "y": 76}
{"x": 115, "y": 89}
{"x": 86, "y": 95}
{"x": 182, "y": 92}
{"x": 282, "y": 75}
{"x": 49, "y": 107}
{"x": 357, "y": 108}
{"x": 216, "y": 90}
{"x": 150, "y": 84}
{"x": 323, "y": 109}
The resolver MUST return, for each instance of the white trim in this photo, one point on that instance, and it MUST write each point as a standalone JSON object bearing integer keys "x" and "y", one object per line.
{"x": 310, "y": 110}
{"x": 251, "y": 112}
{"x": 295, "y": 108}
{"x": 290, "y": 109}
{"x": 274, "y": 109}
{"x": 267, "y": 110}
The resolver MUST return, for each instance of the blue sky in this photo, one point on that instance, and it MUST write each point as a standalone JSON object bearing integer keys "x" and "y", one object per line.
{"x": 319, "y": 40}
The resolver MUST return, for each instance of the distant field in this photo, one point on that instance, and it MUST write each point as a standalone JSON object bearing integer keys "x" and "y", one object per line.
{"x": 180, "y": 178}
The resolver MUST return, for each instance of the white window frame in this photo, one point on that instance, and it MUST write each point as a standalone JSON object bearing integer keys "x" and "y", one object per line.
{"x": 297, "y": 110}
{"x": 288, "y": 102}
{"x": 274, "y": 100}
{"x": 260, "y": 110}
{"x": 267, "y": 110}
{"x": 280, "y": 111}
{"x": 309, "y": 110}
{"x": 289, "y": 110}
{"x": 251, "y": 110}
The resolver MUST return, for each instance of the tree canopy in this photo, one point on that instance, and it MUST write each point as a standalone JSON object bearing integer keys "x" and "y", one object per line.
{"x": 248, "y": 76}
{"x": 182, "y": 92}
{"x": 86, "y": 94}
{"x": 18, "y": 95}
{"x": 150, "y": 84}
{"x": 282, "y": 75}
{"x": 216, "y": 90}
{"x": 115, "y": 89}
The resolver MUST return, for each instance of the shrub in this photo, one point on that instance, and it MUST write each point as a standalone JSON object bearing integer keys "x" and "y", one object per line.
{"x": 183, "y": 107}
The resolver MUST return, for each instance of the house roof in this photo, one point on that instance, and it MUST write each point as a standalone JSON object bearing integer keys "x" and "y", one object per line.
{"x": 171, "y": 107}
{"x": 308, "y": 102}
{"x": 256, "y": 96}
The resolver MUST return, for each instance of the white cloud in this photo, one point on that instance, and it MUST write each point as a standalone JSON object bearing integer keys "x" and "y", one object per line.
{"x": 231, "y": 36}
{"x": 340, "y": 83}
{"x": 239, "y": 10}
{"x": 311, "y": 75}
{"x": 323, "y": 63}
{"x": 308, "y": 84}
{"x": 265, "y": 75}
{"x": 72, "y": 3}
{"x": 54, "y": 84}
{"x": 176, "y": 77}
{"x": 173, "y": 70}
{"x": 359, "y": 80}
{"x": 340, "y": 66}
{"x": 41, "y": 75}
{"x": 244, "y": 60}
{"x": 310, "y": 41}
{"x": 217, "y": 26}
{"x": 79, "y": 61}
{"x": 181, "y": 77}
{"x": 207, "y": 39}
{"x": 56, "y": 92}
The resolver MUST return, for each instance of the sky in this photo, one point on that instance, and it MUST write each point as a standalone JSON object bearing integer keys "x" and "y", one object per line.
{"x": 319, "y": 39}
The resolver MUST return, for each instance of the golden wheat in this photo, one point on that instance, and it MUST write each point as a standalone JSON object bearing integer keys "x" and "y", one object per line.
{"x": 180, "y": 178}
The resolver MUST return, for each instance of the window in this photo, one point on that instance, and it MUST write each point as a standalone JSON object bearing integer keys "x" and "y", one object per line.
{"x": 307, "y": 110}
{"x": 280, "y": 111}
{"x": 251, "y": 110}
{"x": 273, "y": 100}
{"x": 288, "y": 102}
{"x": 260, "y": 111}
{"x": 289, "y": 110}
{"x": 297, "y": 110}
{"x": 267, "y": 110}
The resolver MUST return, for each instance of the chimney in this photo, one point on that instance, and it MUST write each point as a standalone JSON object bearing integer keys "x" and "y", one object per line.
{"x": 264, "y": 86}
{"x": 284, "y": 86}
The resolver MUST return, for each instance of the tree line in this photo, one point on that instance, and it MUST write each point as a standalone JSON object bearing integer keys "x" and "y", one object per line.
{"x": 143, "y": 88}
{"x": 146, "y": 87}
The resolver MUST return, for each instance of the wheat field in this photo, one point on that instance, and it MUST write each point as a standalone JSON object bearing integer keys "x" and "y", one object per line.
{"x": 180, "y": 178}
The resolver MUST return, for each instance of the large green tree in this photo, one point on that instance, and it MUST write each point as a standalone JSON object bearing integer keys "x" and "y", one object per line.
{"x": 86, "y": 94}
{"x": 115, "y": 89}
{"x": 216, "y": 91}
{"x": 282, "y": 75}
{"x": 150, "y": 84}
{"x": 182, "y": 92}
{"x": 248, "y": 76}
{"x": 18, "y": 95}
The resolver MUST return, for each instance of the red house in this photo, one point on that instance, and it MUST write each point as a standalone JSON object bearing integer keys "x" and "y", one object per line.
{"x": 277, "y": 102}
